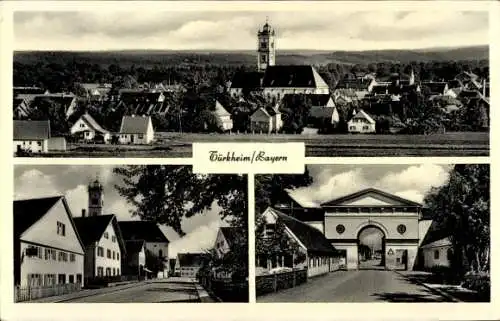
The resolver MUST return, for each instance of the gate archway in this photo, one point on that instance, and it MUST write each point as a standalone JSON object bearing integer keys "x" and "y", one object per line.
{"x": 371, "y": 241}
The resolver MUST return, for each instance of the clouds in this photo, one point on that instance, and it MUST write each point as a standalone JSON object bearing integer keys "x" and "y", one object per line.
{"x": 72, "y": 181}
{"x": 408, "y": 181}
{"x": 236, "y": 30}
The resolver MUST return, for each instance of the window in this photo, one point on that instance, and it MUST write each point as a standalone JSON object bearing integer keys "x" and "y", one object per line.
{"x": 160, "y": 253}
{"x": 54, "y": 254}
{"x": 108, "y": 252}
{"x": 61, "y": 229}
{"x": 113, "y": 239}
{"x": 61, "y": 279}
{"x": 40, "y": 255}
{"x": 352, "y": 127}
{"x": 34, "y": 280}
{"x": 263, "y": 59}
{"x": 100, "y": 271}
{"x": 71, "y": 278}
{"x": 117, "y": 271}
{"x": 39, "y": 143}
{"x": 118, "y": 256}
{"x": 436, "y": 255}
{"x": 79, "y": 278}
{"x": 82, "y": 126}
{"x": 113, "y": 255}
{"x": 63, "y": 256}
{"x": 106, "y": 235}
{"x": 108, "y": 271}
{"x": 100, "y": 251}
{"x": 263, "y": 45}
{"x": 95, "y": 201}
{"x": 365, "y": 127}
{"x": 72, "y": 257}
{"x": 49, "y": 279}
{"x": 114, "y": 271}
{"x": 140, "y": 136}
{"x": 47, "y": 254}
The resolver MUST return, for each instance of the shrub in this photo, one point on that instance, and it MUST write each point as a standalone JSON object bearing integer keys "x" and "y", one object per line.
{"x": 479, "y": 282}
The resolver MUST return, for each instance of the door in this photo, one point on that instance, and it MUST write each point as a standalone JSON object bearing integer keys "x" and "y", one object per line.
{"x": 132, "y": 138}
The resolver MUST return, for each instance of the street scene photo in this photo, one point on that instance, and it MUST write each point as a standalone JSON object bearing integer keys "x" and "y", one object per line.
{"x": 379, "y": 83}
{"x": 129, "y": 234}
{"x": 374, "y": 233}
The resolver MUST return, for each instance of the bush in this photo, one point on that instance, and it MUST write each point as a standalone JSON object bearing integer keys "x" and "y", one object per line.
{"x": 444, "y": 275}
{"x": 479, "y": 282}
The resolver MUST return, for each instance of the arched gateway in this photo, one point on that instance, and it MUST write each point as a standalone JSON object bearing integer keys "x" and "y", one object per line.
{"x": 346, "y": 222}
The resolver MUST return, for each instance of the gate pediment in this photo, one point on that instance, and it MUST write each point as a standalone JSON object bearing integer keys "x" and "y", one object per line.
{"x": 370, "y": 197}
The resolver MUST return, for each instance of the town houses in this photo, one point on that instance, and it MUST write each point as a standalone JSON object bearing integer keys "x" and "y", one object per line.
{"x": 57, "y": 251}
{"x": 265, "y": 98}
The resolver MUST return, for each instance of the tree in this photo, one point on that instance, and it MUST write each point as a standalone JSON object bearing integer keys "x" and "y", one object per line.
{"x": 462, "y": 208}
{"x": 168, "y": 194}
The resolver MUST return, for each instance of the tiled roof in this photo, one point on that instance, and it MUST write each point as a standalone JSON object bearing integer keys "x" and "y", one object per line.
{"x": 190, "y": 259}
{"x": 62, "y": 99}
{"x": 28, "y": 212}
{"x": 93, "y": 124}
{"x": 247, "y": 79}
{"x": 134, "y": 124}
{"x": 310, "y": 237}
{"x": 28, "y": 90}
{"x": 220, "y": 110}
{"x": 91, "y": 228}
{"x": 142, "y": 230}
{"x": 357, "y": 84}
{"x": 231, "y": 234}
{"x": 292, "y": 76}
{"x": 363, "y": 115}
{"x": 435, "y": 87}
{"x": 31, "y": 129}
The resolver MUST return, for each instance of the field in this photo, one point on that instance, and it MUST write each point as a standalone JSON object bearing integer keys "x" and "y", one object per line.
{"x": 180, "y": 145}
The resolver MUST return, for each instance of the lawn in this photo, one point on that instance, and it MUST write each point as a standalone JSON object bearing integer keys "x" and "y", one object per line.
{"x": 169, "y": 144}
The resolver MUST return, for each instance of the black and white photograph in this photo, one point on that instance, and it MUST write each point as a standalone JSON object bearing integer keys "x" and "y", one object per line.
{"x": 374, "y": 233}
{"x": 346, "y": 83}
{"x": 129, "y": 234}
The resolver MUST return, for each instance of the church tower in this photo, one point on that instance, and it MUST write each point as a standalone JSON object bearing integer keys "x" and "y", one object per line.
{"x": 96, "y": 194}
{"x": 266, "y": 52}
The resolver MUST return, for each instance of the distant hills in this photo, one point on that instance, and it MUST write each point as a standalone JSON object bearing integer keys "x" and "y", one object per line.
{"x": 147, "y": 58}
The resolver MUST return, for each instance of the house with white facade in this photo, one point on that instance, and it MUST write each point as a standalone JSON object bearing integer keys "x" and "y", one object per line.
{"x": 104, "y": 246}
{"x": 48, "y": 251}
{"x": 31, "y": 136}
{"x": 136, "y": 130}
{"x": 361, "y": 123}
{"x": 316, "y": 253}
{"x": 187, "y": 265}
{"x": 222, "y": 117}
{"x": 89, "y": 129}
{"x": 437, "y": 253}
{"x": 154, "y": 239}
{"x": 266, "y": 120}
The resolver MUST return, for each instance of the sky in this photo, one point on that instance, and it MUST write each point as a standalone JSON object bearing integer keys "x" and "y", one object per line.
{"x": 408, "y": 181}
{"x": 236, "y": 30}
{"x": 72, "y": 181}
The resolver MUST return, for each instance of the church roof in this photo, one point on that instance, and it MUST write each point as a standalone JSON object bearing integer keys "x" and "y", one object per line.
{"x": 247, "y": 79}
{"x": 303, "y": 76}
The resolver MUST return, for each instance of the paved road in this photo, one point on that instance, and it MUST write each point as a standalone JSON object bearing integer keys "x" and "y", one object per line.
{"x": 356, "y": 286}
{"x": 154, "y": 292}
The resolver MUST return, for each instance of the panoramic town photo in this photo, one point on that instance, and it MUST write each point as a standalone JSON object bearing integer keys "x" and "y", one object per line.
{"x": 374, "y": 233}
{"x": 130, "y": 234}
{"x": 378, "y": 83}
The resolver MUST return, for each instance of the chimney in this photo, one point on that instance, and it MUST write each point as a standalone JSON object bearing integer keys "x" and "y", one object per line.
{"x": 83, "y": 212}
